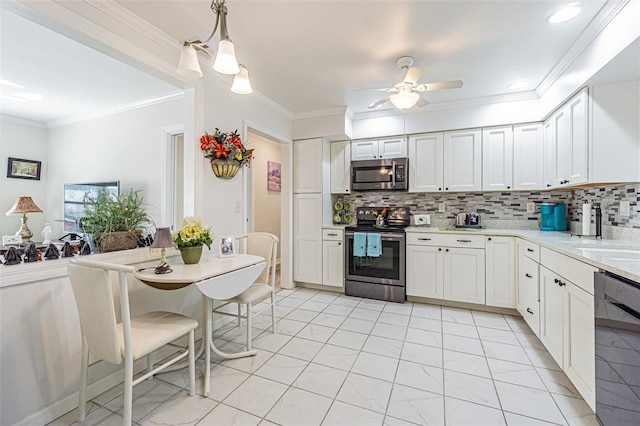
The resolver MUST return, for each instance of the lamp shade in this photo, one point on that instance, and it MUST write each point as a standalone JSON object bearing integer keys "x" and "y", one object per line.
{"x": 241, "y": 84}
{"x": 404, "y": 99}
{"x": 188, "y": 66}
{"x": 23, "y": 205}
{"x": 163, "y": 239}
{"x": 226, "y": 62}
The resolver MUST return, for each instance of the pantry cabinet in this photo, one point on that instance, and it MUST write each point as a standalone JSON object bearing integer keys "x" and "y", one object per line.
{"x": 500, "y": 273}
{"x": 372, "y": 149}
{"x": 340, "y": 154}
{"x": 528, "y": 156}
{"x": 497, "y": 158}
{"x": 307, "y": 165}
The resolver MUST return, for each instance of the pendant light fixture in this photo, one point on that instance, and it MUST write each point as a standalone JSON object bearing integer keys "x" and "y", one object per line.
{"x": 404, "y": 99}
{"x": 225, "y": 60}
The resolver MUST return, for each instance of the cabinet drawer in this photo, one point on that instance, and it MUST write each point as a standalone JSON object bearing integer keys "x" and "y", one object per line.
{"x": 573, "y": 270}
{"x": 531, "y": 250}
{"x": 527, "y": 270}
{"x": 332, "y": 234}
{"x": 446, "y": 240}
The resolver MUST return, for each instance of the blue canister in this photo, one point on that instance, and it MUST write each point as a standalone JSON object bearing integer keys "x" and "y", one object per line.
{"x": 547, "y": 219}
{"x": 560, "y": 217}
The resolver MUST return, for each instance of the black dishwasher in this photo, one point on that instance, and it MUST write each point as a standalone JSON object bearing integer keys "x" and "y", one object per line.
{"x": 617, "y": 338}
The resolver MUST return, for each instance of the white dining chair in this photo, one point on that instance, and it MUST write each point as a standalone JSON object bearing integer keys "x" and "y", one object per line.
{"x": 265, "y": 245}
{"x": 128, "y": 340}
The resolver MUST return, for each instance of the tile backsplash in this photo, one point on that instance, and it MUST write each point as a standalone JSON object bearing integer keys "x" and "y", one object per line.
{"x": 512, "y": 206}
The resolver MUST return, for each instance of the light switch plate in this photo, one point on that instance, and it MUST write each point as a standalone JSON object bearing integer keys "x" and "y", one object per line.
{"x": 531, "y": 207}
{"x": 441, "y": 207}
{"x": 625, "y": 209}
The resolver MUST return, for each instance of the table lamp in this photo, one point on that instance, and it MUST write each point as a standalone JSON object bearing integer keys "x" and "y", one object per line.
{"x": 163, "y": 241}
{"x": 24, "y": 205}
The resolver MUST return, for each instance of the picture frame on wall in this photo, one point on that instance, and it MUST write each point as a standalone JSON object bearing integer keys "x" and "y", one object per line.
{"x": 19, "y": 168}
{"x": 225, "y": 246}
{"x": 273, "y": 176}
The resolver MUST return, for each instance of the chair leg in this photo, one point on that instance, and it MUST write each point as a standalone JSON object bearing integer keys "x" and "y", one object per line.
{"x": 128, "y": 389}
{"x": 273, "y": 313}
{"x": 82, "y": 394}
{"x": 192, "y": 364}
{"x": 248, "y": 326}
{"x": 239, "y": 313}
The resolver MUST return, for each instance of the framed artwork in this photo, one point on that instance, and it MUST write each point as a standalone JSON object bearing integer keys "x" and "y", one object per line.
{"x": 273, "y": 176}
{"x": 226, "y": 248}
{"x": 23, "y": 169}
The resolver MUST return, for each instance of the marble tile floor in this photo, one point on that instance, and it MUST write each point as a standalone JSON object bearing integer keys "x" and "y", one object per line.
{"x": 339, "y": 360}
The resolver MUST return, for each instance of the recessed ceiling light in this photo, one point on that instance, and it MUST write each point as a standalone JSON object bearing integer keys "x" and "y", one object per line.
{"x": 563, "y": 15}
{"x": 518, "y": 84}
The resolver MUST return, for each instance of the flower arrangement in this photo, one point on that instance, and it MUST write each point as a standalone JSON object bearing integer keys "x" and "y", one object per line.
{"x": 226, "y": 147}
{"x": 193, "y": 233}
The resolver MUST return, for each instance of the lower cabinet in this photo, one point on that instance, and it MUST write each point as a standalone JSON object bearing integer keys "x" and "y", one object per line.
{"x": 332, "y": 258}
{"x": 500, "y": 253}
{"x": 552, "y": 311}
{"x": 464, "y": 279}
{"x": 528, "y": 295}
{"x": 425, "y": 271}
{"x": 307, "y": 244}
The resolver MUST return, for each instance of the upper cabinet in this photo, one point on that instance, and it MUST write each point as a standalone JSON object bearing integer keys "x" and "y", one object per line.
{"x": 308, "y": 165}
{"x": 497, "y": 158}
{"x": 373, "y": 149}
{"x": 528, "y": 156}
{"x": 340, "y": 167}
{"x": 463, "y": 160}
{"x": 426, "y": 157}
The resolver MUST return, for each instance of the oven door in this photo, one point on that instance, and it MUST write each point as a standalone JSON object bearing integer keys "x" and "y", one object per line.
{"x": 389, "y": 268}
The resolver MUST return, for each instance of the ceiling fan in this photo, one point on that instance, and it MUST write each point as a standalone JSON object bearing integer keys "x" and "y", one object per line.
{"x": 405, "y": 87}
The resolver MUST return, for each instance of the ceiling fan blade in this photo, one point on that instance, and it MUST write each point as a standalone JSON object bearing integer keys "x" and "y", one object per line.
{"x": 440, "y": 85}
{"x": 412, "y": 75}
{"x": 378, "y": 89}
{"x": 380, "y": 102}
{"x": 422, "y": 102}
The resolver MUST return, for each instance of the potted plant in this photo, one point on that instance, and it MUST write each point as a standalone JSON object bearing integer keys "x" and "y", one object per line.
{"x": 225, "y": 152}
{"x": 191, "y": 237}
{"x": 116, "y": 223}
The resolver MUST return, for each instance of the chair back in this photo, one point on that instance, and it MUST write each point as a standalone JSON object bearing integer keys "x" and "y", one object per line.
{"x": 265, "y": 245}
{"x": 94, "y": 299}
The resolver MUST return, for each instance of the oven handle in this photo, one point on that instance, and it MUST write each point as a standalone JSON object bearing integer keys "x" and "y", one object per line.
{"x": 622, "y": 306}
{"x": 393, "y": 173}
{"x": 384, "y": 235}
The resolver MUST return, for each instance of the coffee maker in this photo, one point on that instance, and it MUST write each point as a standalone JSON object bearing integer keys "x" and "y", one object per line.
{"x": 553, "y": 217}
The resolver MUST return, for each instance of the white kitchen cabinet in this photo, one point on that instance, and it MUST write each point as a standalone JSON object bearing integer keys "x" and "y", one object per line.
{"x": 372, "y": 149}
{"x": 463, "y": 160}
{"x": 464, "y": 278}
{"x": 333, "y": 257}
{"x": 307, "y": 241}
{"x": 308, "y": 165}
{"x": 497, "y": 158}
{"x": 528, "y": 156}
{"x": 425, "y": 271}
{"x": 500, "y": 269}
{"x": 528, "y": 294}
{"x": 426, "y": 161}
{"x": 552, "y": 313}
{"x": 340, "y": 154}
{"x": 577, "y": 110}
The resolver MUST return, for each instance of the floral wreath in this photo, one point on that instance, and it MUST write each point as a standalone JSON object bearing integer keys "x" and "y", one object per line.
{"x": 226, "y": 147}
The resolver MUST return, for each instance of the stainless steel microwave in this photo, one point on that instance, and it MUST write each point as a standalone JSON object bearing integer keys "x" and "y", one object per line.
{"x": 387, "y": 174}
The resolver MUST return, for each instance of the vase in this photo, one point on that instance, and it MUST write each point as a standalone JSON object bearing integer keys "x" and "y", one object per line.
{"x": 191, "y": 255}
{"x": 225, "y": 169}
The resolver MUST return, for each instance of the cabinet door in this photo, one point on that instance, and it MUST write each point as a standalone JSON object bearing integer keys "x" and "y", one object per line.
{"x": 550, "y": 155}
{"x": 307, "y": 238}
{"x": 392, "y": 147}
{"x": 552, "y": 309}
{"x": 333, "y": 263}
{"x": 579, "y": 146}
{"x": 364, "y": 150}
{"x": 307, "y": 165}
{"x": 463, "y": 160}
{"x": 528, "y": 156}
{"x": 425, "y": 271}
{"x": 340, "y": 167}
{"x": 497, "y": 158}
{"x": 562, "y": 123}
{"x": 500, "y": 272}
{"x": 426, "y": 156}
{"x": 579, "y": 349}
{"x": 464, "y": 279}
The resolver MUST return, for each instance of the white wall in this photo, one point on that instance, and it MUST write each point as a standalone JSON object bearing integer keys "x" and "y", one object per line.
{"x": 30, "y": 143}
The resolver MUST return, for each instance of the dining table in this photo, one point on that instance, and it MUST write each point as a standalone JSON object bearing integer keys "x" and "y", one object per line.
{"x": 217, "y": 278}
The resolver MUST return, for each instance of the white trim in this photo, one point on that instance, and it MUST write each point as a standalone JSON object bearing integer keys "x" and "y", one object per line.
{"x": 321, "y": 113}
{"x": 23, "y": 121}
{"x": 168, "y": 173}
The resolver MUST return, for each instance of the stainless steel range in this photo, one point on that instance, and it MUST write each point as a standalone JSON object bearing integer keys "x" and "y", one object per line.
{"x": 375, "y": 254}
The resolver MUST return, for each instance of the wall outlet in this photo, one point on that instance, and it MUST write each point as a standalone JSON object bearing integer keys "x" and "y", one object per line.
{"x": 531, "y": 207}
{"x": 441, "y": 208}
{"x": 625, "y": 209}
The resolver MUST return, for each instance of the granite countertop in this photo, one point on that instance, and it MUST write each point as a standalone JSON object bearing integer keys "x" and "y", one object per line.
{"x": 617, "y": 256}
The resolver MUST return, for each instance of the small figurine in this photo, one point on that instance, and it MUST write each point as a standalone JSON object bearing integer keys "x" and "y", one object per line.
{"x": 52, "y": 252}
{"x": 31, "y": 254}
{"x": 84, "y": 248}
{"x": 67, "y": 250}
{"x": 12, "y": 256}
{"x": 46, "y": 234}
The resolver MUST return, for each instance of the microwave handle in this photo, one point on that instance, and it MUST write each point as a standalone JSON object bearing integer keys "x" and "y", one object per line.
{"x": 393, "y": 173}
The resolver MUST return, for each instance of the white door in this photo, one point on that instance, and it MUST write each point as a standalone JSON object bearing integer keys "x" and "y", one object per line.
{"x": 463, "y": 160}
{"x": 307, "y": 165}
{"x": 497, "y": 158}
{"x": 425, "y": 271}
{"x": 426, "y": 156}
{"x": 552, "y": 309}
{"x": 464, "y": 279}
{"x": 340, "y": 167}
{"x": 307, "y": 238}
{"x": 500, "y": 272}
{"x": 392, "y": 147}
{"x": 528, "y": 156}
{"x": 364, "y": 150}
{"x": 333, "y": 263}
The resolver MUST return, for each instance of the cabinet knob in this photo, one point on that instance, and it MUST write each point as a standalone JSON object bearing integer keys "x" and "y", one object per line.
{"x": 528, "y": 275}
{"x": 530, "y": 250}
{"x": 439, "y": 189}
{"x": 446, "y": 189}
{"x": 446, "y": 250}
{"x": 530, "y": 311}
{"x": 508, "y": 187}
{"x": 439, "y": 249}
{"x": 548, "y": 185}
{"x": 489, "y": 239}
{"x": 339, "y": 244}
{"x": 562, "y": 283}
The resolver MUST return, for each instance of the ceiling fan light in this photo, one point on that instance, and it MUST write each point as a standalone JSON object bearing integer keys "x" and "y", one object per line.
{"x": 226, "y": 62}
{"x": 188, "y": 66}
{"x": 404, "y": 99}
{"x": 241, "y": 84}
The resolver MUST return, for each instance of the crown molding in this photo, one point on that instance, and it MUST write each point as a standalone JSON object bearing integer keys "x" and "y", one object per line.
{"x": 23, "y": 121}
{"x": 323, "y": 113}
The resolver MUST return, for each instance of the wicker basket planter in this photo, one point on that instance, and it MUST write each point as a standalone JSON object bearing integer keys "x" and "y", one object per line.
{"x": 225, "y": 169}
{"x": 115, "y": 241}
